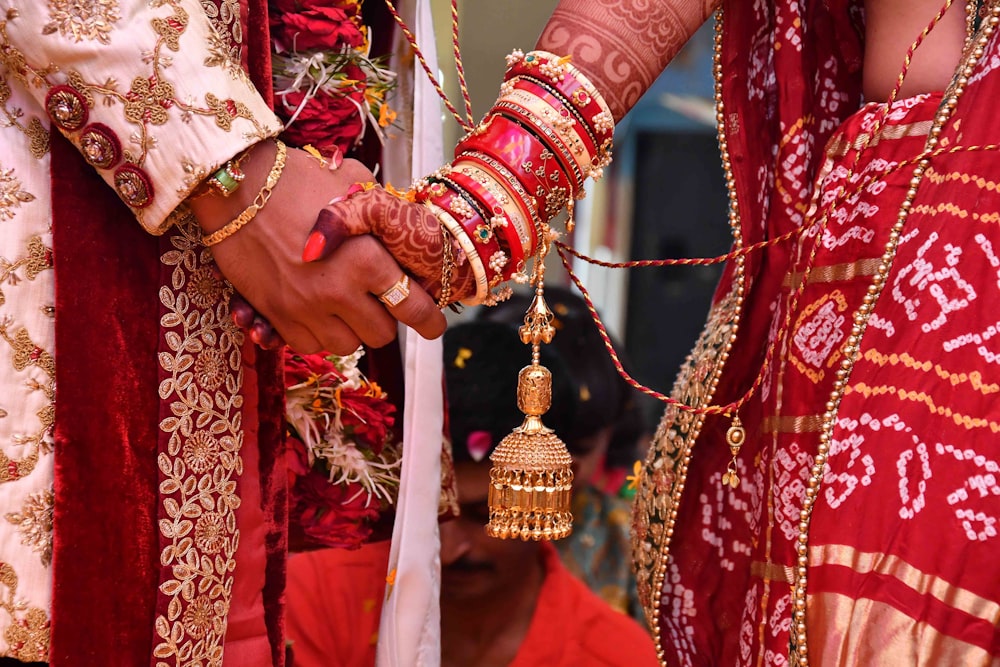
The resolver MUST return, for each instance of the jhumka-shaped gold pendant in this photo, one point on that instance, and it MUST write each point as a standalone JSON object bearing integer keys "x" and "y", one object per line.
{"x": 532, "y": 475}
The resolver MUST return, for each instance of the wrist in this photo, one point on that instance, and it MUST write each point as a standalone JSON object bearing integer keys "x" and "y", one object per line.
{"x": 214, "y": 210}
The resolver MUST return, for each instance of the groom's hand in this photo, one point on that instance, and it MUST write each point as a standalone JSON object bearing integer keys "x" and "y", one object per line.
{"x": 330, "y": 305}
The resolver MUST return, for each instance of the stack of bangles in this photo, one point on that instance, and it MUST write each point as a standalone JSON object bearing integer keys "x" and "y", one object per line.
{"x": 527, "y": 159}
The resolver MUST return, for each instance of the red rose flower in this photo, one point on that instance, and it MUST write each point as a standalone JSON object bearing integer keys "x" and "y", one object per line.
{"x": 326, "y": 120}
{"x": 296, "y": 457}
{"x": 314, "y": 27}
{"x": 327, "y": 515}
{"x": 367, "y": 418}
{"x": 300, "y": 367}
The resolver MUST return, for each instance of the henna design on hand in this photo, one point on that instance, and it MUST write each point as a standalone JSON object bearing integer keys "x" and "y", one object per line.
{"x": 408, "y": 231}
{"x": 623, "y": 45}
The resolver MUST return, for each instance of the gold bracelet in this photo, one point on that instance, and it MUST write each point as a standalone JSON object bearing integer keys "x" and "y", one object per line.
{"x": 259, "y": 201}
{"x": 471, "y": 254}
{"x": 447, "y": 266}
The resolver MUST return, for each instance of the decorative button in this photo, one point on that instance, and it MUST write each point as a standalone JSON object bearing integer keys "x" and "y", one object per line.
{"x": 133, "y": 186}
{"x": 66, "y": 107}
{"x": 100, "y": 146}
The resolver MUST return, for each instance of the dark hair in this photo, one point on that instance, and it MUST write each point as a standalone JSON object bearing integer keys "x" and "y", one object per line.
{"x": 481, "y": 362}
{"x": 602, "y": 395}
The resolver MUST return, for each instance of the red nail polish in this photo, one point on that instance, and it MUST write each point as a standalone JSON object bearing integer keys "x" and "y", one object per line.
{"x": 314, "y": 247}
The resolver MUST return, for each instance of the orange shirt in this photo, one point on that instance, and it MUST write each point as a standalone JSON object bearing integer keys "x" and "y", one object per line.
{"x": 335, "y": 597}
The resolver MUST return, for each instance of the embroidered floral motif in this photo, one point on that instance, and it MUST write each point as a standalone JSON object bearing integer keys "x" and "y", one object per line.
{"x": 204, "y": 289}
{"x": 11, "y": 194}
{"x": 665, "y": 469}
{"x": 148, "y": 100}
{"x": 225, "y": 18}
{"x": 28, "y": 634}
{"x": 221, "y": 54}
{"x": 226, "y": 110}
{"x": 34, "y": 522}
{"x": 200, "y": 362}
{"x": 37, "y": 134}
{"x": 79, "y": 20}
{"x": 201, "y": 452}
{"x": 25, "y": 353}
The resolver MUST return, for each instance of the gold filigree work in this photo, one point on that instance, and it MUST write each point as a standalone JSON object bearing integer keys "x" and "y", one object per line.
{"x": 34, "y": 522}
{"x": 12, "y": 195}
{"x": 83, "y": 20}
{"x": 200, "y": 362}
{"x": 28, "y": 634}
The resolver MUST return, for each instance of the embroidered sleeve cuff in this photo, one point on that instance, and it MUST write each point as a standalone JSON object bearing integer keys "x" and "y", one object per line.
{"x": 148, "y": 91}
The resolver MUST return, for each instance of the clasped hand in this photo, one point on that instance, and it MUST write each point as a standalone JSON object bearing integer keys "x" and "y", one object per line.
{"x": 329, "y": 303}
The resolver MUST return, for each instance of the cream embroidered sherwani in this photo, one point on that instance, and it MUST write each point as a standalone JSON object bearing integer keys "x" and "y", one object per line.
{"x": 153, "y": 95}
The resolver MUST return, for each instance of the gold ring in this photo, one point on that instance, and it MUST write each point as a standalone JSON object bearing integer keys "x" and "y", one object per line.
{"x": 396, "y": 294}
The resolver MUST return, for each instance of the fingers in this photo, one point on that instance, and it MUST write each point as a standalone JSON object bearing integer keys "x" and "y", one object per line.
{"x": 403, "y": 298}
{"x": 337, "y": 222}
{"x": 338, "y": 338}
{"x": 377, "y": 272}
{"x": 326, "y": 236}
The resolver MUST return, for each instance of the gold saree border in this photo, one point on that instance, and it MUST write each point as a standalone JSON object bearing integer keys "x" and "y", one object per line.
{"x": 887, "y": 637}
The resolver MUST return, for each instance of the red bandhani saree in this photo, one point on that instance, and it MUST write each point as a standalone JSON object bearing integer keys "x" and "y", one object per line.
{"x": 863, "y": 526}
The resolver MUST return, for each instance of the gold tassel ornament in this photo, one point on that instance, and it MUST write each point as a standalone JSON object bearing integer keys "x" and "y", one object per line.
{"x": 532, "y": 477}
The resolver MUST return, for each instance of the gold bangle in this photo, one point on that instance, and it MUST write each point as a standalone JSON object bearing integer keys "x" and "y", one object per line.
{"x": 259, "y": 201}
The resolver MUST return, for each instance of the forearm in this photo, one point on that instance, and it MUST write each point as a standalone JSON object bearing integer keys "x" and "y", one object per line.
{"x": 623, "y": 45}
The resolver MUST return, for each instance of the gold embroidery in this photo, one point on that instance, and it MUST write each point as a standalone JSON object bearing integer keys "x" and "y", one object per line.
{"x": 150, "y": 97}
{"x": 83, "y": 19}
{"x": 202, "y": 463}
{"x": 221, "y": 54}
{"x": 34, "y": 522}
{"x": 660, "y": 482}
{"x": 11, "y": 194}
{"x": 225, "y": 18}
{"x": 37, "y": 134}
{"x": 147, "y": 100}
{"x": 28, "y": 634}
{"x": 25, "y": 354}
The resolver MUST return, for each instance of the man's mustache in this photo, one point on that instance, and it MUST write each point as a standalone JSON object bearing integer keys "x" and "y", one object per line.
{"x": 468, "y": 565}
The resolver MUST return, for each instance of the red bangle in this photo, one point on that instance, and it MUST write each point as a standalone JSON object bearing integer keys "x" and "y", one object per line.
{"x": 544, "y": 186}
{"x": 561, "y": 130}
{"x": 513, "y": 204}
{"x": 487, "y": 247}
{"x": 571, "y": 84}
{"x": 498, "y": 219}
{"x": 554, "y": 99}
{"x": 552, "y": 139}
